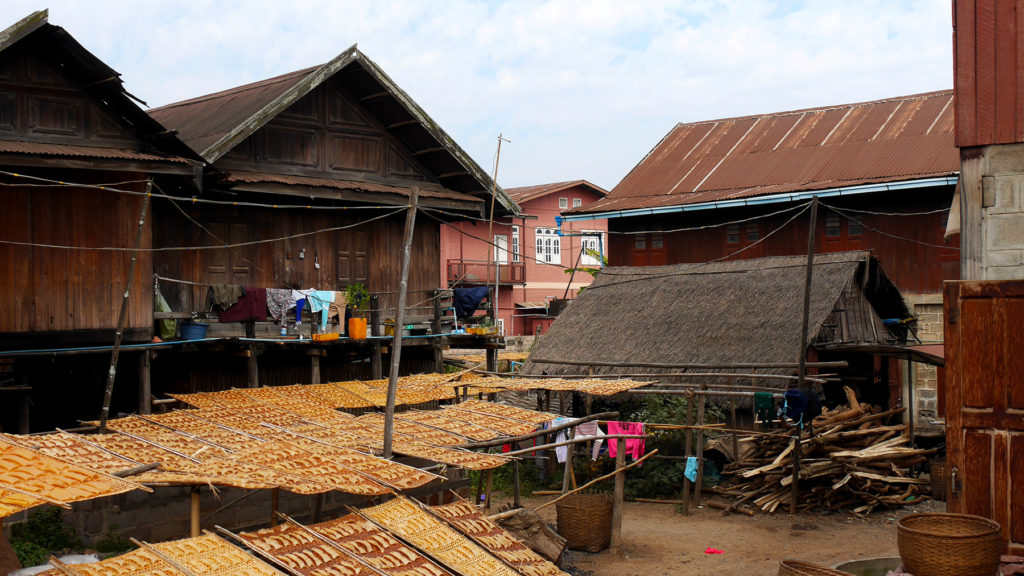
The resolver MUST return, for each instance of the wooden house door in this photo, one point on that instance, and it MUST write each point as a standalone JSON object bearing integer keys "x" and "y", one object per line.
{"x": 984, "y": 392}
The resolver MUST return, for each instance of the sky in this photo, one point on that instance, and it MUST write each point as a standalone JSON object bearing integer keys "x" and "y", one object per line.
{"x": 579, "y": 89}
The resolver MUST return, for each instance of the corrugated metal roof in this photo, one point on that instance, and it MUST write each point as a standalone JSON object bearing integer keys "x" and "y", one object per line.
{"x": 103, "y": 83}
{"x": 214, "y": 124}
{"x": 897, "y": 139}
{"x": 41, "y": 149}
{"x": 527, "y": 193}
{"x": 293, "y": 180}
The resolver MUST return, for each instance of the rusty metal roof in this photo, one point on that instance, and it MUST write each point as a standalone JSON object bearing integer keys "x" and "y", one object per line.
{"x": 527, "y": 193}
{"x": 214, "y": 124}
{"x": 103, "y": 83}
{"x": 335, "y": 184}
{"x": 891, "y": 140}
{"x": 69, "y": 150}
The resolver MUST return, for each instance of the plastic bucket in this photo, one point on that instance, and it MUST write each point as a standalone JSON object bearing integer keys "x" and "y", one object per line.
{"x": 193, "y": 330}
{"x": 357, "y": 328}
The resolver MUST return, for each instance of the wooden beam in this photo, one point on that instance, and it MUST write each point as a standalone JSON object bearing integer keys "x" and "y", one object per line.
{"x": 722, "y": 366}
{"x": 454, "y": 174}
{"x": 394, "y": 125}
{"x": 194, "y": 516}
{"x": 430, "y": 150}
{"x": 396, "y": 351}
{"x": 620, "y": 492}
{"x": 374, "y": 96}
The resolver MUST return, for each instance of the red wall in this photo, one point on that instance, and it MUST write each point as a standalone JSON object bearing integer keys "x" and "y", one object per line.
{"x": 544, "y": 281}
{"x": 916, "y": 268}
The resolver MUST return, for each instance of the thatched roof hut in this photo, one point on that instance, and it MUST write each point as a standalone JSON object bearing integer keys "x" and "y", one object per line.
{"x": 746, "y": 311}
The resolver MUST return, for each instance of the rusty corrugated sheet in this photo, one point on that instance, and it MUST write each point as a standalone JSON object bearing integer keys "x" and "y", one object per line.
{"x": 201, "y": 122}
{"x": 527, "y": 193}
{"x": 293, "y": 180}
{"x": 68, "y": 150}
{"x": 890, "y": 140}
{"x": 987, "y": 73}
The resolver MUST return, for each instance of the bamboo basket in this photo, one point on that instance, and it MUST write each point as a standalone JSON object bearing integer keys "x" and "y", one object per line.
{"x": 938, "y": 544}
{"x": 585, "y": 521}
{"x": 801, "y": 568}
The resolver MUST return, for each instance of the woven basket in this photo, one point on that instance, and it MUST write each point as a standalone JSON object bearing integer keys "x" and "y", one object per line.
{"x": 585, "y": 521}
{"x": 936, "y": 544}
{"x": 937, "y": 472}
{"x": 800, "y": 568}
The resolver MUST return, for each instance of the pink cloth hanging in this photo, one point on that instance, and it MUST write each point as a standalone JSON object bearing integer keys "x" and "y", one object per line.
{"x": 635, "y": 447}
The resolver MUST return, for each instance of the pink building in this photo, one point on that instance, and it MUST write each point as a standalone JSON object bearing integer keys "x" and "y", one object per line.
{"x": 529, "y": 254}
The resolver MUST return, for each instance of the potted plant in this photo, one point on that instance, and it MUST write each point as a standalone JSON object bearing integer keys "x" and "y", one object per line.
{"x": 358, "y": 300}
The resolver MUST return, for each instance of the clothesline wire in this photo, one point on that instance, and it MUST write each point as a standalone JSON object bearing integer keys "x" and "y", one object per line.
{"x": 686, "y": 269}
{"x": 192, "y": 199}
{"x": 185, "y": 248}
{"x": 889, "y": 234}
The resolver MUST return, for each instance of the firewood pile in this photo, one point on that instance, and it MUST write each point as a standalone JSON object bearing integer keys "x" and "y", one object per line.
{"x": 850, "y": 459}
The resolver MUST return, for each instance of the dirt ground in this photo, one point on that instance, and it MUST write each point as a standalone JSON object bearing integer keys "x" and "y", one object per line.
{"x": 657, "y": 540}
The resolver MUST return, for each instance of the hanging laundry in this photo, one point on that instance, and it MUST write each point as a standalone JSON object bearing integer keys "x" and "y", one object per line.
{"x": 691, "y": 469}
{"x": 591, "y": 430}
{"x": 224, "y": 296}
{"x": 300, "y": 297}
{"x": 279, "y": 302}
{"x": 764, "y": 406}
{"x": 466, "y": 299}
{"x": 251, "y": 306}
{"x": 337, "y": 309}
{"x": 320, "y": 301}
{"x": 634, "y": 446}
{"x": 561, "y": 436}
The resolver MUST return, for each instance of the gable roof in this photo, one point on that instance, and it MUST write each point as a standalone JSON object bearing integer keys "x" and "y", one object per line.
{"x": 827, "y": 148}
{"x": 215, "y": 123}
{"x": 740, "y": 311}
{"x": 526, "y": 193}
{"x": 102, "y": 82}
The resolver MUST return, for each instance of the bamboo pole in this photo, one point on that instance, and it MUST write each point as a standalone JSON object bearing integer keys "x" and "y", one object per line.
{"x": 274, "y": 501}
{"x": 532, "y": 435}
{"x": 572, "y": 441}
{"x": 567, "y": 470}
{"x": 516, "y": 499}
{"x": 396, "y": 352}
{"x": 596, "y": 480}
{"x": 490, "y": 487}
{"x": 122, "y": 316}
{"x": 688, "y": 452}
{"x": 620, "y": 492}
{"x": 701, "y": 407}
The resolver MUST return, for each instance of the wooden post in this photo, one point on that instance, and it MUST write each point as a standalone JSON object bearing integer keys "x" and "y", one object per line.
{"x": 567, "y": 471}
{"x": 701, "y": 405}
{"x": 396, "y": 347}
{"x": 376, "y": 362}
{"x": 735, "y": 435}
{"x": 318, "y": 506}
{"x": 253, "y": 367}
{"x": 145, "y": 383}
{"x": 24, "y": 411}
{"x": 275, "y": 495}
{"x": 122, "y": 317}
{"x": 479, "y": 489}
{"x": 516, "y": 502}
{"x": 194, "y": 532}
{"x": 374, "y": 315}
{"x": 807, "y": 294}
{"x": 688, "y": 451}
{"x": 795, "y": 494}
{"x": 490, "y": 488}
{"x": 314, "y": 368}
{"x": 620, "y": 490}
{"x": 435, "y": 323}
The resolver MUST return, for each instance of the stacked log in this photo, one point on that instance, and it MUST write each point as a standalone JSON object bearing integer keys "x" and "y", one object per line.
{"x": 850, "y": 459}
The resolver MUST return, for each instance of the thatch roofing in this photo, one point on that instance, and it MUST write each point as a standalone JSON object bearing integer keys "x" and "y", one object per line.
{"x": 745, "y": 311}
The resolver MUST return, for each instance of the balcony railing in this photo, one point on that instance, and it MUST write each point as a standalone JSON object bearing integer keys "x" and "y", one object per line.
{"x": 473, "y": 272}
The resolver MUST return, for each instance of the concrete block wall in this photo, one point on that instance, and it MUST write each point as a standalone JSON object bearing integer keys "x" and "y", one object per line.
{"x": 1003, "y": 228}
{"x": 928, "y": 310}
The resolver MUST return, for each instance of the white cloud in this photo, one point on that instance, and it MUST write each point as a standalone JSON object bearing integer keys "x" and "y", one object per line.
{"x": 582, "y": 88}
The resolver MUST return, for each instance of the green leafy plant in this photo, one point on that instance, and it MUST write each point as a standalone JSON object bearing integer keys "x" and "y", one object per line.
{"x": 357, "y": 296}
{"x": 592, "y": 271}
{"x": 43, "y": 533}
{"x": 114, "y": 543}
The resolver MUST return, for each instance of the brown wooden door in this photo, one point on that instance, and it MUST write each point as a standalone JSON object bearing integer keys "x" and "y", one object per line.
{"x": 984, "y": 392}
